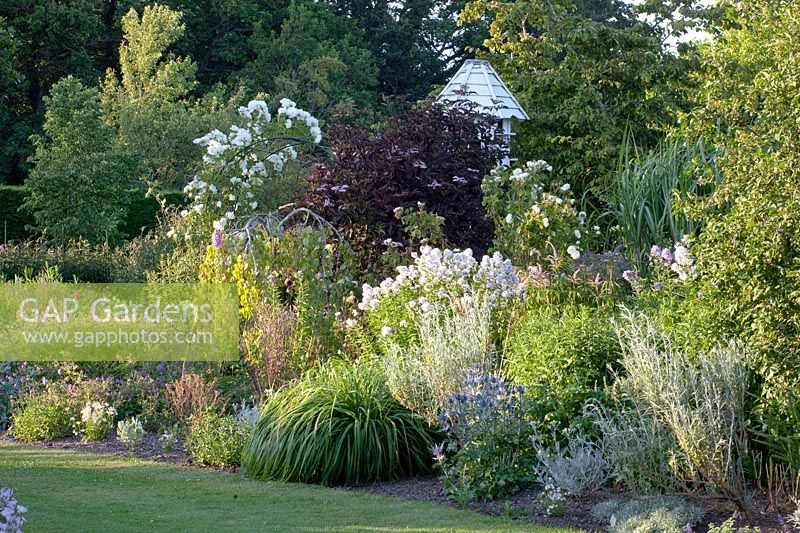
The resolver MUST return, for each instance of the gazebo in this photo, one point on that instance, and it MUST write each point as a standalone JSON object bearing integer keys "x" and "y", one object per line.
{"x": 476, "y": 81}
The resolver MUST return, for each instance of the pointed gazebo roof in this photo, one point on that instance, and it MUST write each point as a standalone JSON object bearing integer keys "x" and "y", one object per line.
{"x": 477, "y": 82}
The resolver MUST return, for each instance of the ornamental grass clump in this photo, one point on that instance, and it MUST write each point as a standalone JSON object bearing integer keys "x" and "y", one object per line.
{"x": 338, "y": 425}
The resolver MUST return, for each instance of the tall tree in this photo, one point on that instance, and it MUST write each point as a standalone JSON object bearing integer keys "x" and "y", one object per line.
{"x": 318, "y": 59}
{"x": 416, "y": 43}
{"x": 151, "y": 103}
{"x": 15, "y": 117}
{"x": 80, "y": 179}
{"x": 585, "y": 76}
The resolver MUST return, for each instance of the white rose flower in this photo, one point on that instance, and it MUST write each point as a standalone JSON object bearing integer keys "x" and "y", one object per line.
{"x": 574, "y": 253}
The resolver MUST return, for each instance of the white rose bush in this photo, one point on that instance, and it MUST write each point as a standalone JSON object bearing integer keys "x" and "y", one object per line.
{"x": 240, "y": 166}
{"x": 533, "y": 220}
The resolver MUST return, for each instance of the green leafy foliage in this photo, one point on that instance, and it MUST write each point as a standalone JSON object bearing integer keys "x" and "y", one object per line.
{"x": 216, "y": 440}
{"x": 150, "y": 101}
{"x": 532, "y": 215}
{"x": 142, "y": 215}
{"x": 318, "y": 58}
{"x": 43, "y": 416}
{"x": 749, "y": 252}
{"x": 42, "y": 42}
{"x": 584, "y": 80}
{"x": 340, "y": 425}
{"x": 78, "y": 187}
{"x": 563, "y": 358}
{"x": 83, "y": 262}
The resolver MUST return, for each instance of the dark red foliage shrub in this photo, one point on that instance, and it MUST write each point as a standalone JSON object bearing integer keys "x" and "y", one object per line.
{"x": 433, "y": 154}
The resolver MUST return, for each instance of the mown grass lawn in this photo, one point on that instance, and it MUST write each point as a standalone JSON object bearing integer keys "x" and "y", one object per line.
{"x": 71, "y": 491}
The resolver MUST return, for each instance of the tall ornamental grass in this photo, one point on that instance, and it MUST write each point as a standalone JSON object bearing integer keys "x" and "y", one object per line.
{"x": 339, "y": 425}
{"x": 641, "y": 196}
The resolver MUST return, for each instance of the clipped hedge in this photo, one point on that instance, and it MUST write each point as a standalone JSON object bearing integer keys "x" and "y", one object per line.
{"x": 142, "y": 213}
{"x": 12, "y": 220}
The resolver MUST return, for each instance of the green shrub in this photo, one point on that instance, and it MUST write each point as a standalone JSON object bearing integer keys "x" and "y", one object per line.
{"x": 748, "y": 252}
{"x": 143, "y": 212}
{"x": 80, "y": 177}
{"x": 43, "y": 416}
{"x": 339, "y": 425}
{"x": 662, "y": 514}
{"x": 216, "y": 440}
{"x": 563, "y": 357}
{"x": 489, "y": 450}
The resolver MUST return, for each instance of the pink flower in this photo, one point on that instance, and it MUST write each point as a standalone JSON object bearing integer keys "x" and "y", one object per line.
{"x": 216, "y": 238}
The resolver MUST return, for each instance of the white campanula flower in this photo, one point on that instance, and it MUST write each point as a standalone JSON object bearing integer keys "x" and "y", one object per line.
{"x": 253, "y": 205}
{"x": 386, "y": 331}
{"x": 350, "y": 323}
{"x": 565, "y": 187}
{"x": 577, "y": 234}
{"x": 536, "y": 209}
{"x": 546, "y": 222}
{"x": 509, "y": 218}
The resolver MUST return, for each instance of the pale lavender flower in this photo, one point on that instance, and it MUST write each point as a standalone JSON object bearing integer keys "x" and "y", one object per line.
{"x": 216, "y": 238}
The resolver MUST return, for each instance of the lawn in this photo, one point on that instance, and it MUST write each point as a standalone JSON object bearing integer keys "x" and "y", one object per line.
{"x": 71, "y": 491}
